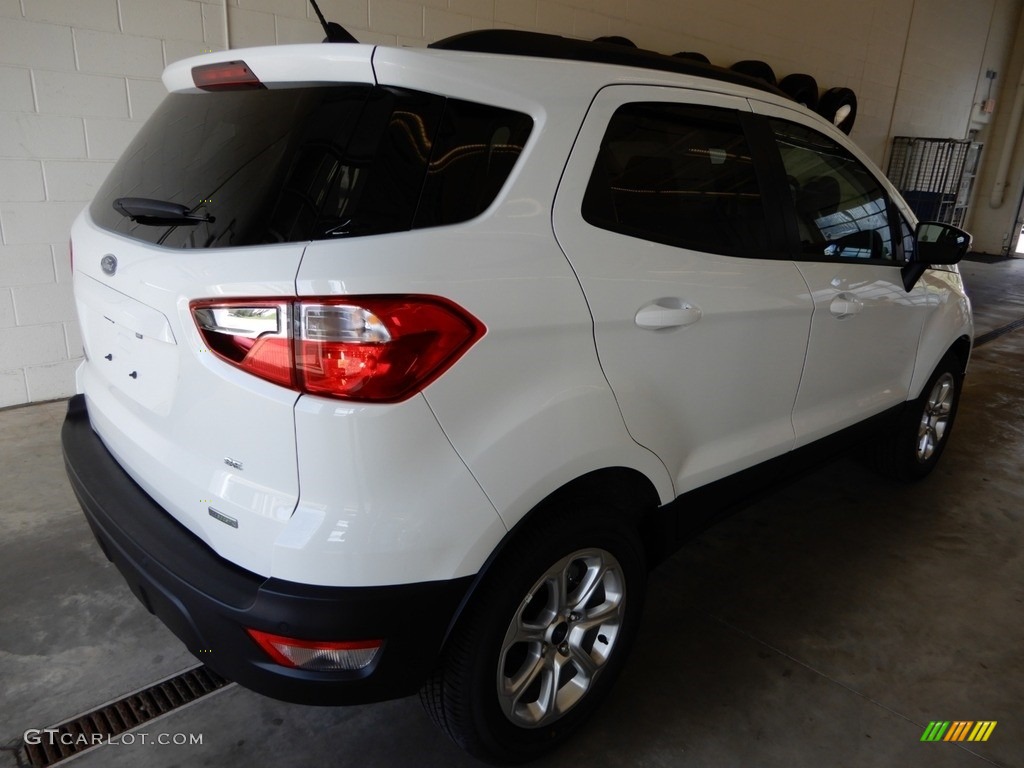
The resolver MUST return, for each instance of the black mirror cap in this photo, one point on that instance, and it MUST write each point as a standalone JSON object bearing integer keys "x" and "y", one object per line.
{"x": 939, "y": 243}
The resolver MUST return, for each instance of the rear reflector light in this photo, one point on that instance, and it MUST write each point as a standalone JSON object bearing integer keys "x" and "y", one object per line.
{"x": 380, "y": 349}
{"x": 316, "y": 655}
{"x": 225, "y": 76}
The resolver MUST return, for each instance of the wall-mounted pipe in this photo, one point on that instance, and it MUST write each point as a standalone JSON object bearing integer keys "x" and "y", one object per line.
{"x": 1009, "y": 144}
{"x": 227, "y": 28}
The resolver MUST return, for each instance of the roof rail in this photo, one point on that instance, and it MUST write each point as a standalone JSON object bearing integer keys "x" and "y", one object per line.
{"x": 539, "y": 45}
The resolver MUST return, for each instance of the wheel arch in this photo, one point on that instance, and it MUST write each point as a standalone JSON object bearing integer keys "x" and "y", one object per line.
{"x": 948, "y": 327}
{"x": 962, "y": 349}
{"x": 625, "y": 488}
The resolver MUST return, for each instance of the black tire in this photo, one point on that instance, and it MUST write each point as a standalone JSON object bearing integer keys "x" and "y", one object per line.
{"x": 839, "y": 106}
{"x": 759, "y": 69}
{"x": 692, "y": 56}
{"x": 470, "y": 696}
{"x": 616, "y": 40}
{"x": 803, "y": 89}
{"x": 913, "y": 447}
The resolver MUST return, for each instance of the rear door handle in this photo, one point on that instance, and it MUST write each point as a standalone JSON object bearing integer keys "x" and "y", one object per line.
{"x": 845, "y": 305}
{"x": 667, "y": 313}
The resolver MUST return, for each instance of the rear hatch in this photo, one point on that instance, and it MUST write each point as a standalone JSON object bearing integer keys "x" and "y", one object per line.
{"x": 187, "y": 260}
{"x": 216, "y": 198}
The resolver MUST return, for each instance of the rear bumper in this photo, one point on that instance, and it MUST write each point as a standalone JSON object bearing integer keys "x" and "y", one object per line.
{"x": 208, "y": 602}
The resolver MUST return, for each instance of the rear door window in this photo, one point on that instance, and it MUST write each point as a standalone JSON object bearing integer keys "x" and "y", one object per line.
{"x": 297, "y": 164}
{"x": 681, "y": 175}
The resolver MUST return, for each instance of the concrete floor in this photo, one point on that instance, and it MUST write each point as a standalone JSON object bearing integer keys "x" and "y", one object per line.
{"x": 825, "y": 626}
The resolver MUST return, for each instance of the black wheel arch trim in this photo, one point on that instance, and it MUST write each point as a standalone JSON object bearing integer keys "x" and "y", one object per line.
{"x": 617, "y": 479}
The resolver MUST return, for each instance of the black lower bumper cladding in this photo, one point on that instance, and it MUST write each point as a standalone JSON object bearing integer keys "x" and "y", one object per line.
{"x": 208, "y": 602}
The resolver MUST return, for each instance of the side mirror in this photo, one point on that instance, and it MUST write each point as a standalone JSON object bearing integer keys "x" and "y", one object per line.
{"x": 939, "y": 243}
{"x": 936, "y": 243}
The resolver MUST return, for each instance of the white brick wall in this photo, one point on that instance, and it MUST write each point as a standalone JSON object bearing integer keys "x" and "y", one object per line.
{"x": 77, "y": 78}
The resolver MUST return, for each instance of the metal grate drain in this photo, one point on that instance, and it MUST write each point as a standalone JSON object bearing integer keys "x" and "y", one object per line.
{"x": 117, "y": 717}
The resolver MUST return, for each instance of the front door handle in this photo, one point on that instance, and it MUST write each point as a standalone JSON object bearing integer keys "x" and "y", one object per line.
{"x": 667, "y": 313}
{"x": 845, "y": 305}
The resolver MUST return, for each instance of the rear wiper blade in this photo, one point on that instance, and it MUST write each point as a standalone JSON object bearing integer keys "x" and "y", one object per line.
{"x": 145, "y": 210}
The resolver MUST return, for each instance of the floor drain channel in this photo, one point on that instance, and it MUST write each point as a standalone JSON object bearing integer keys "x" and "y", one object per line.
{"x": 85, "y": 731}
{"x": 985, "y": 338}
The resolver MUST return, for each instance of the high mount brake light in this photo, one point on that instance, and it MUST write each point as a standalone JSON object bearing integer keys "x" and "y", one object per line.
{"x": 381, "y": 349}
{"x": 225, "y": 76}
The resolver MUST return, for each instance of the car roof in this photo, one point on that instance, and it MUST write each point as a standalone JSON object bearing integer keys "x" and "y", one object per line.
{"x": 339, "y": 62}
{"x": 512, "y": 42}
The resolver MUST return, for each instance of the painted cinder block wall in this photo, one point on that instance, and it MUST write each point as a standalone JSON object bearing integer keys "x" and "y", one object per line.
{"x": 77, "y": 78}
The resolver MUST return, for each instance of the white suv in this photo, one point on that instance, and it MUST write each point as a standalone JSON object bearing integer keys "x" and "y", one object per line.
{"x": 404, "y": 366}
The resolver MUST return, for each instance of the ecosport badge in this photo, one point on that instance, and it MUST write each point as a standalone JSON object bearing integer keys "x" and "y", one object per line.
{"x": 109, "y": 264}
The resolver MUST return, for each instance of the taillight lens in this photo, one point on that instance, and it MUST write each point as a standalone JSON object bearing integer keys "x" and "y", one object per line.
{"x": 380, "y": 349}
{"x": 321, "y": 656}
{"x": 255, "y": 336}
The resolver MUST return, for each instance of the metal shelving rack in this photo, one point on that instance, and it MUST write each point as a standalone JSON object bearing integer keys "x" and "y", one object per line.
{"x": 935, "y": 176}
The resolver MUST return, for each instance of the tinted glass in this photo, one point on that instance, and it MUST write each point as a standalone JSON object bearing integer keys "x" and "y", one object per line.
{"x": 842, "y": 211}
{"x": 680, "y": 175}
{"x": 357, "y": 180}
{"x": 473, "y": 153}
{"x": 297, "y": 164}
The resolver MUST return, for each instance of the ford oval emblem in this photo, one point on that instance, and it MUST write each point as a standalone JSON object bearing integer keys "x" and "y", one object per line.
{"x": 109, "y": 264}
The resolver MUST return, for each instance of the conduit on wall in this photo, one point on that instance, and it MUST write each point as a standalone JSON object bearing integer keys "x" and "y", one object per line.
{"x": 227, "y": 28}
{"x": 1009, "y": 144}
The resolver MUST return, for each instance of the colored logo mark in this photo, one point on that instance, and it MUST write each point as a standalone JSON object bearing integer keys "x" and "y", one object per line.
{"x": 958, "y": 730}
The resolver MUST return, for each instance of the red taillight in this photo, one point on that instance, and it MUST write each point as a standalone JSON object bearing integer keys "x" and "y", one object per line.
{"x": 225, "y": 76}
{"x": 254, "y": 335}
{"x": 321, "y": 656}
{"x": 381, "y": 349}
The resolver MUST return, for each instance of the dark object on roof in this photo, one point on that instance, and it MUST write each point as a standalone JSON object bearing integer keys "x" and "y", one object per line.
{"x": 801, "y": 88}
{"x": 839, "y": 105}
{"x": 616, "y": 40}
{"x": 692, "y": 56}
{"x": 756, "y": 68}
{"x": 536, "y": 44}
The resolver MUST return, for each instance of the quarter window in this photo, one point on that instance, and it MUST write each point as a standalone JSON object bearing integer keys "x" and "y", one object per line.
{"x": 841, "y": 209}
{"x": 680, "y": 175}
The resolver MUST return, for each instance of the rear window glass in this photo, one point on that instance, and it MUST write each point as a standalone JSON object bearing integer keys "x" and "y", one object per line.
{"x": 289, "y": 165}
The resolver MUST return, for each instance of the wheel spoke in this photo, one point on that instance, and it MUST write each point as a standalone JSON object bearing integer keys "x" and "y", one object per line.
{"x": 526, "y": 633}
{"x": 606, "y": 613}
{"x": 560, "y": 589}
{"x": 593, "y": 582}
{"x": 924, "y": 442}
{"x": 585, "y": 663}
{"x": 547, "y": 702}
{"x": 517, "y": 685}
